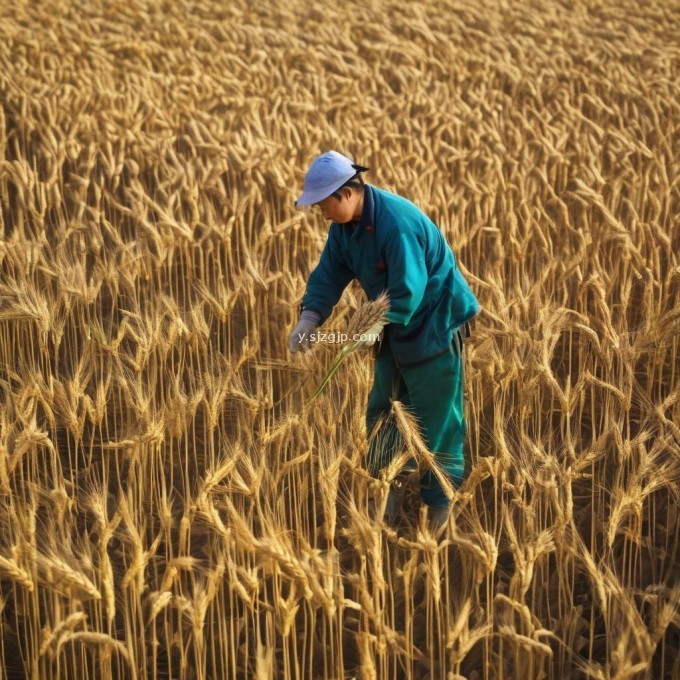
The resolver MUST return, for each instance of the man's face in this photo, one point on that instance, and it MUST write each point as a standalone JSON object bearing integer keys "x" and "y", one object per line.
{"x": 338, "y": 210}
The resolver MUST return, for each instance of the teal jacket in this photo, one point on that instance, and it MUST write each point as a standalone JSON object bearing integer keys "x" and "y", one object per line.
{"x": 395, "y": 247}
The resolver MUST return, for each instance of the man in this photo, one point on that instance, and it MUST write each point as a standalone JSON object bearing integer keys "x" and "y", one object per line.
{"x": 387, "y": 243}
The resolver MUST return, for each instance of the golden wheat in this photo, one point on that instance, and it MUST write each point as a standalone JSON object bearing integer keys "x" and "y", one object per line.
{"x": 170, "y": 504}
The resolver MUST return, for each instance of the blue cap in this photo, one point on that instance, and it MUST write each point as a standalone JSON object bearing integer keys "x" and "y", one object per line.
{"x": 327, "y": 173}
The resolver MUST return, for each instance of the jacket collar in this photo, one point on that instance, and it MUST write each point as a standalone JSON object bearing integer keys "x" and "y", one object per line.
{"x": 367, "y": 218}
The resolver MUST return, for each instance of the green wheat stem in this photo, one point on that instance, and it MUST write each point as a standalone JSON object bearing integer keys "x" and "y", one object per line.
{"x": 331, "y": 372}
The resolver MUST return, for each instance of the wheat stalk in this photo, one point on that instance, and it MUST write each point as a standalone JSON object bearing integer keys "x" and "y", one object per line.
{"x": 369, "y": 320}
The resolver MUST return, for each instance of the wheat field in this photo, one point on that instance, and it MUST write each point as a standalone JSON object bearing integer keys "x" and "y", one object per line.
{"x": 172, "y": 504}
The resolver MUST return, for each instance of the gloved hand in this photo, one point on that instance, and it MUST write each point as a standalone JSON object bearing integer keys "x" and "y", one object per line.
{"x": 299, "y": 340}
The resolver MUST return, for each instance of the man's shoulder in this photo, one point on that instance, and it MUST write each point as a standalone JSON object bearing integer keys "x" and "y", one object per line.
{"x": 392, "y": 207}
{"x": 387, "y": 201}
{"x": 396, "y": 213}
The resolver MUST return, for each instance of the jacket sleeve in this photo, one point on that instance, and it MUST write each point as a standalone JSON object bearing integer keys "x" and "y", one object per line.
{"x": 329, "y": 278}
{"x": 406, "y": 275}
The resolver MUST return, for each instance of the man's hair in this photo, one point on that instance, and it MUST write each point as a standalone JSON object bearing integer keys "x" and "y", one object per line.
{"x": 356, "y": 182}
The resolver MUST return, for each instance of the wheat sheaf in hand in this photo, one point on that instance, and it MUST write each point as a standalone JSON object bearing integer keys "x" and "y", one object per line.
{"x": 362, "y": 331}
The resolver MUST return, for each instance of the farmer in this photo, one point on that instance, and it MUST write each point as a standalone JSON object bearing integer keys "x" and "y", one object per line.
{"x": 389, "y": 244}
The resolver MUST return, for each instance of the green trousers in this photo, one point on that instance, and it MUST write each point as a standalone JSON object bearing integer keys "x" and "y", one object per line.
{"x": 433, "y": 391}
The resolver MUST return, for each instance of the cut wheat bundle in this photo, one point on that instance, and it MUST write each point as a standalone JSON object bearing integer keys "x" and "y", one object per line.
{"x": 363, "y": 331}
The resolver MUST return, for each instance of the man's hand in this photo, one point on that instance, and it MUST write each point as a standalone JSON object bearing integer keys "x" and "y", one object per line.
{"x": 300, "y": 340}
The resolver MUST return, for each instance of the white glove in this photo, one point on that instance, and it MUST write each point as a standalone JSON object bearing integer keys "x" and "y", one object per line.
{"x": 300, "y": 340}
